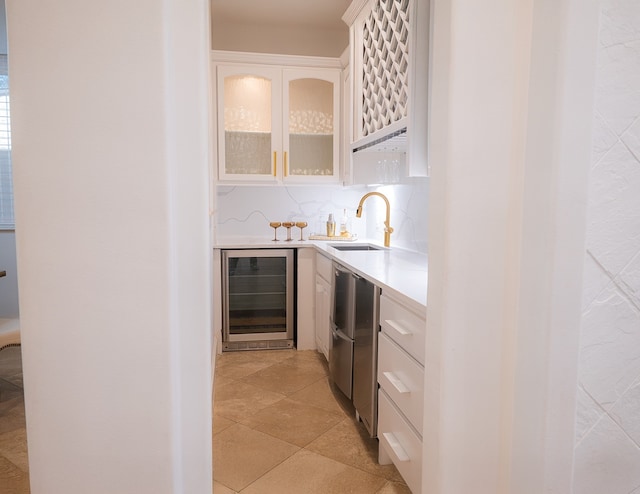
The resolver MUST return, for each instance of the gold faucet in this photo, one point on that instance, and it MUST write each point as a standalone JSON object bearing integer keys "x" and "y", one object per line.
{"x": 387, "y": 227}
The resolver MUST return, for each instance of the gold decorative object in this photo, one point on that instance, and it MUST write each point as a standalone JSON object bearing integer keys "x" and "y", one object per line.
{"x": 275, "y": 225}
{"x": 288, "y": 225}
{"x": 387, "y": 227}
{"x": 301, "y": 225}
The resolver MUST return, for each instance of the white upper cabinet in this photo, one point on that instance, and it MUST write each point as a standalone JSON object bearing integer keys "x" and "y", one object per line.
{"x": 277, "y": 124}
{"x": 389, "y": 50}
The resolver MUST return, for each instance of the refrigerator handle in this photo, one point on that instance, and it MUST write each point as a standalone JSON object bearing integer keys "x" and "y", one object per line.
{"x": 339, "y": 334}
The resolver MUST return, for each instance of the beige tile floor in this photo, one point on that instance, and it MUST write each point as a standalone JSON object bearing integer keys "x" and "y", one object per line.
{"x": 14, "y": 468}
{"x": 278, "y": 427}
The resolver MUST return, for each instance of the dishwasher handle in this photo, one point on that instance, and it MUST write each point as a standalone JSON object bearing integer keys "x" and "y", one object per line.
{"x": 338, "y": 333}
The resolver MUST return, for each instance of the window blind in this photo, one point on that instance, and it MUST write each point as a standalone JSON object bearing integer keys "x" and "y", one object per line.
{"x": 7, "y": 221}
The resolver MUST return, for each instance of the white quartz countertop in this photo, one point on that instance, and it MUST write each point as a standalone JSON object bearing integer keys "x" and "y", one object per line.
{"x": 399, "y": 270}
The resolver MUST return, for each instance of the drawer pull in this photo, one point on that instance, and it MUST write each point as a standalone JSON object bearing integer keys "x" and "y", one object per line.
{"x": 398, "y": 450}
{"x": 397, "y": 383}
{"x": 403, "y": 331}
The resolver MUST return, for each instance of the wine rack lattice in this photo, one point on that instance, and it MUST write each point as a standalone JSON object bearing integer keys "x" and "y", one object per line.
{"x": 385, "y": 60}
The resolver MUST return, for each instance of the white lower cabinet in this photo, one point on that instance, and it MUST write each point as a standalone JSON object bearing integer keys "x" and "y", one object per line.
{"x": 323, "y": 304}
{"x": 402, "y": 379}
{"x": 401, "y": 393}
{"x": 403, "y": 326}
{"x": 399, "y": 443}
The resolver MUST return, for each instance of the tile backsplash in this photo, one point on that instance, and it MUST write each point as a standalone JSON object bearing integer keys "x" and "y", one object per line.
{"x": 247, "y": 210}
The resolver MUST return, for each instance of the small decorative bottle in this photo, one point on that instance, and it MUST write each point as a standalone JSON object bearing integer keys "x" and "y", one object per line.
{"x": 344, "y": 224}
{"x": 331, "y": 226}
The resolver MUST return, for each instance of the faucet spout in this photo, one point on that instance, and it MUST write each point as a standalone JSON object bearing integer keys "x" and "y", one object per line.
{"x": 387, "y": 223}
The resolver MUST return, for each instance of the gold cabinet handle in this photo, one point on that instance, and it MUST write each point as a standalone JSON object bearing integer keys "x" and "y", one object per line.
{"x": 286, "y": 165}
{"x": 275, "y": 154}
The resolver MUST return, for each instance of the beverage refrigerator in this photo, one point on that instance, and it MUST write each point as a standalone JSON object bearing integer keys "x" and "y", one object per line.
{"x": 258, "y": 299}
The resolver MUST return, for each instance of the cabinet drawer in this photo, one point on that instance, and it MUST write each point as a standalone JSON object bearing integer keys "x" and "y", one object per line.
{"x": 402, "y": 378}
{"x": 404, "y": 327}
{"x": 324, "y": 267}
{"x": 400, "y": 443}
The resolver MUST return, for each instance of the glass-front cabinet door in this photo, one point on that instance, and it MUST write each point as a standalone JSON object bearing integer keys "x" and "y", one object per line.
{"x": 311, "y": 128}
{"x": 249, "y": 122}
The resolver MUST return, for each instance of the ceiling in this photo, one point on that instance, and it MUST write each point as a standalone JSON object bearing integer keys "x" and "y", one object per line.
{"x": 322, "y": 14}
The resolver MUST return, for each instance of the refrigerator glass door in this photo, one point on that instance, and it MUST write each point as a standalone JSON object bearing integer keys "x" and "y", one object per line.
{"x": 258, "y": 294}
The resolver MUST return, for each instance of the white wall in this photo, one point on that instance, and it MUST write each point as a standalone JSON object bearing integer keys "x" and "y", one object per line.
{"x": 476, "y": 153}
{"x": 562, "y": 76}
{"x": 260, "y": 38}
{"x": 512, "y": 92}
{"x": 110, "y": 145}
{"x": 607, "y": 448}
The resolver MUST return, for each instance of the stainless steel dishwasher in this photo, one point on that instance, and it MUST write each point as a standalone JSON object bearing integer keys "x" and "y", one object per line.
{"x": 354, "y": 342}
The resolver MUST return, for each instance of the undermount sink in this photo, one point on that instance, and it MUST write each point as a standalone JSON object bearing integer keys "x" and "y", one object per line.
{"x": 356, "y": 247}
